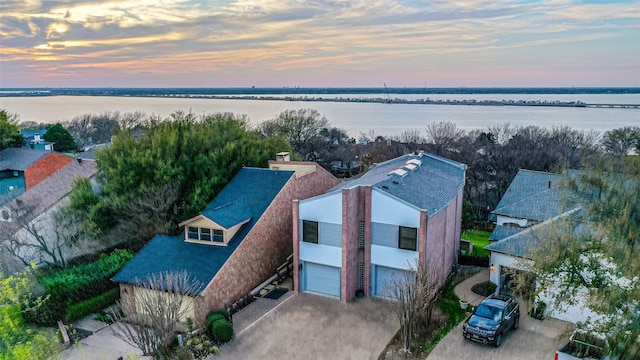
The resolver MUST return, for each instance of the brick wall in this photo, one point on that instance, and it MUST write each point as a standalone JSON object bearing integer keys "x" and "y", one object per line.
{"x": 267, "y": 245}
{"x": 443, "y": 237}
{"x": 44, "y": 168}
{"x": 352, "y": 208}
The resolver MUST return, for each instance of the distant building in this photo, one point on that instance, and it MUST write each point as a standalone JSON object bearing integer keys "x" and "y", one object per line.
{"x": 34, "y": 140}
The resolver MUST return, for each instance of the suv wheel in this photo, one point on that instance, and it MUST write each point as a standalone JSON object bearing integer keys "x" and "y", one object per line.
{"x": 499, "y": 340}
{"x": 516, "y": 324}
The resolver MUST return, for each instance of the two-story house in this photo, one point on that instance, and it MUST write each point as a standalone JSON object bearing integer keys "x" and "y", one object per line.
{"x": 352, "y": 239}
{"x": 235, "y": 243}
{"x": 533, "y": 202}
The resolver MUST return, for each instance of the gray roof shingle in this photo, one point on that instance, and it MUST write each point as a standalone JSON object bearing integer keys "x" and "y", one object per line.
{"x": 500, "y": 232}
{"x": 246, "y": 196}
{"x": 20, "y": 158}
{"x": 534, "y": 195}
{"x": 431, "y": 186}
{"x": 52, "y": 189}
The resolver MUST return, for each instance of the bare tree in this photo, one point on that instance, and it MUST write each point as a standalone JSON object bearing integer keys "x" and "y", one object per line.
{"x": 412, "y": 296}
{"x": 34, "y": 236}
{"x": 444, "y": 136}
{"x": 161, "y": 304}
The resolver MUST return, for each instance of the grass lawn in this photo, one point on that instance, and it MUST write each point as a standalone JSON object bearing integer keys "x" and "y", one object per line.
{"x": 480, "y": 239}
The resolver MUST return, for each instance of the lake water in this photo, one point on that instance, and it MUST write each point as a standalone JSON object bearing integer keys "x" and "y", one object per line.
{"x": 355, "y": 118}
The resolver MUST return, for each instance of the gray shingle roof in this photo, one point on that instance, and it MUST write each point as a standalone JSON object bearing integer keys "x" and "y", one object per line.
{"x": 20, "y": 158}
{"x": 52, "y": 189}
{"x": 248, "y": 194}
{"x": 431, "y": 186}
{"x": 533, "y": 195}
{"x": 518, "y": 245}
{"x": 500, "y": 232}
{"x": 523, "y": 242}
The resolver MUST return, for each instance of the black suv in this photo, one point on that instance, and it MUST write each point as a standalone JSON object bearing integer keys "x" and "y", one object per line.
{"x": 492, "y": 318}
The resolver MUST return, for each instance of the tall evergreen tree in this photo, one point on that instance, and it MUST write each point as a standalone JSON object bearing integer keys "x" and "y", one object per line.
{"x": 63, "y": 141}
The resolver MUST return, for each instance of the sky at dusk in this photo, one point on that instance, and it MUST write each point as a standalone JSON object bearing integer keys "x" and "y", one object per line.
{"x": 333, "y": 43}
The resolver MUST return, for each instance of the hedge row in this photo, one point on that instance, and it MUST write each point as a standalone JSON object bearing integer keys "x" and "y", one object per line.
{"x": 473, "y": 260}
{"x": 83, "y": 282}
{"x": 93, "y": 305}
{"x": 67, "y": 288}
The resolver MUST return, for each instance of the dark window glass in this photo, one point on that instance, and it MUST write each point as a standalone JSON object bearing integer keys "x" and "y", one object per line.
{"x": 218, "y": 235}
{"x": 310, "y": 231}
{"x": 407, "y": 238}
{"x": 205, "y": 234}
{"x": 193, "y": 233}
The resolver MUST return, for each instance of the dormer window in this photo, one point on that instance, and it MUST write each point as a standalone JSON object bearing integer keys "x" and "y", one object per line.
{"x": 193, "y": 233}
{"x": 218, "y": 235}
{"x": 205, "y": 234}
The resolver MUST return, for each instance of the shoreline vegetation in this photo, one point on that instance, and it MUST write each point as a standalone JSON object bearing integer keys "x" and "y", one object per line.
{"x": 318, "y": 95}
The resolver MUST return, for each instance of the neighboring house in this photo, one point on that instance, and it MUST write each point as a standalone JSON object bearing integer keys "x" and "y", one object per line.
{"x": 34, "y": 140}
{"x": 532, "y": 202}
{"x": 48, "y": 179}
{"x": 235, "y": 243}
{"x": 353, "y": 239}
{"x": 21, "y": 168}
{"x": 529, "y": 200}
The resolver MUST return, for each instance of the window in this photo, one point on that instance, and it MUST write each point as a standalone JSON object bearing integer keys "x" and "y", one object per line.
{"x": 192, "y": 233}
{"x": 407, "y": 238}
{"x": 218, "y": 235}
{"x": 310, "y": 231}
{"x": 205, "y": 234}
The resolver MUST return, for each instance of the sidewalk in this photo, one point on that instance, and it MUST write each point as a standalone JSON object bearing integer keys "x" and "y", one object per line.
{"x": 101, "y": 345}
{"x": 463, "y": 289}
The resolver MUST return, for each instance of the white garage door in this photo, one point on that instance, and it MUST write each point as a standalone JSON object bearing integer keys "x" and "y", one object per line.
{"x": 382, "y": 278}
{"x": 322, "y": 279}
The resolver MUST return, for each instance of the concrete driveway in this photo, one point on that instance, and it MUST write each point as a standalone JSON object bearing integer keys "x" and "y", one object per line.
{"x": 534, "y": 340}
{"x": 305, "y": 326}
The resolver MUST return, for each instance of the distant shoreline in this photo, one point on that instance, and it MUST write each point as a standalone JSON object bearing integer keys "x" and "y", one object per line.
{"x": 318, "y": 91}
{"x": 265, "y": 95}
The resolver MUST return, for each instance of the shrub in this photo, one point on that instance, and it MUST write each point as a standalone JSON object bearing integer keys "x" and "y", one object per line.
{"x": 82, "y": 282}
{"x": 485, "y": 288}
{"x": 211, "y": 318}
{"x": 72, "y": 286}
{"x": 46, "y": 312}
{"x": 95, "y": 304}
{"x": 222, "y": 331}
{"x": 223, "y": 312}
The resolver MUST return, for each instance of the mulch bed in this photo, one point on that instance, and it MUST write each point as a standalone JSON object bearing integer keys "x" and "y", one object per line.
{"x": 394, "y": 349}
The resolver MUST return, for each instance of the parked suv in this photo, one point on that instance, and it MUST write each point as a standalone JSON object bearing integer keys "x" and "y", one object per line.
{"x": 496, "y": 315}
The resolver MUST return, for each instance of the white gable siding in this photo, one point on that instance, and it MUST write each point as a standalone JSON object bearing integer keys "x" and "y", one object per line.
{"x": 324, "y": 208}
{"x": 393, "y": 258}
{"x": 388, "y": 210}
{"x": 321, "y": 254}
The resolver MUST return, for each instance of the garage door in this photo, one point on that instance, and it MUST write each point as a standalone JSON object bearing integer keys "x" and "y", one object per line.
{"x": 383, "y": 276}
{"x": 322, "y": 279}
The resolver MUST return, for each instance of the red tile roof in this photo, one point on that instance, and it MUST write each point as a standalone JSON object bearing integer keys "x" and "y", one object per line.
{"x": 44, "y": 168}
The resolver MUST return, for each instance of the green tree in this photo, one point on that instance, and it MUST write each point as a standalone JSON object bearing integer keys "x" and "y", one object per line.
{"x": 197, "y": 156}
{"x": 17, "y": 340}
{"x": 62, "y": 139}
{"x": 9, "y": 131}
{"x": 596, "y": 252}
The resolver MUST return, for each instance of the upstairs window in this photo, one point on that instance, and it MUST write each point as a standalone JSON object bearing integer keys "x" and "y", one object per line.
{"x": 192, "y": 233}
{"x": 218, "y": 235}
{"x": 310, "y": 231}
{"x": 205, "y": 234}
{"x": 407, "y": 238}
